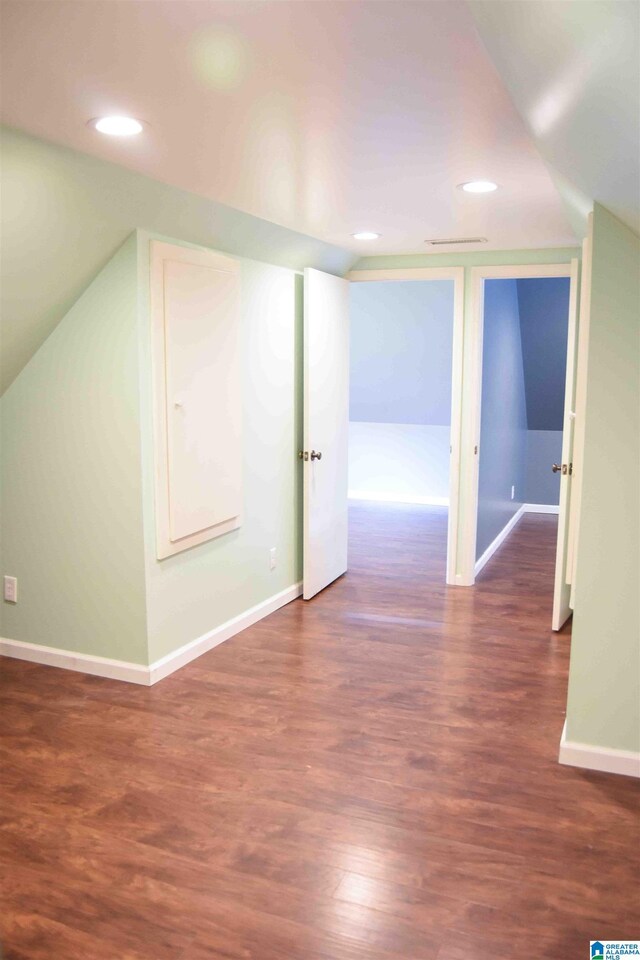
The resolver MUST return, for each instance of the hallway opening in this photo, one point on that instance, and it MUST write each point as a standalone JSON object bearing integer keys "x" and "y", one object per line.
{"x": 525, "y": 332}
{"x": 401, "y": 360}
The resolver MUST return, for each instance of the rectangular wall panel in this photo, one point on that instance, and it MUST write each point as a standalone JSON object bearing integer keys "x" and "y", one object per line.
{"x": 195, "y": 315}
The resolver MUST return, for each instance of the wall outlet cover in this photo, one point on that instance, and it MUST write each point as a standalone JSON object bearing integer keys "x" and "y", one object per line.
{"x": 11, "y": 589}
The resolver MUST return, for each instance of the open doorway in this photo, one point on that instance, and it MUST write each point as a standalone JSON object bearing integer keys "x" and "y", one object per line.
{"x": 402, "y": 409}
{"x": 525, "y": 355}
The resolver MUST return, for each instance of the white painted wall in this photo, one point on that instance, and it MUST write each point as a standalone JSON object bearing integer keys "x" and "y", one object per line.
{"x": 399, "y": 461}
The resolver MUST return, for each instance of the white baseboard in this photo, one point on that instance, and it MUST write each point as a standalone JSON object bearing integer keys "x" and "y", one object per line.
{"x": 398, "y": 498}
{"x": 604, "y": 759}
{"x": 139, "y": 673}
{"x": 70, "y": 660}
{"x": 499, "y": 540}
{"x": 195, "y": 648}
{"x": 504, "y": 533}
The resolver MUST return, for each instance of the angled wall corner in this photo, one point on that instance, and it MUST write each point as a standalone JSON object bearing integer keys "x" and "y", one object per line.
{"x": 78, "y": 485}
{"x": 71, "y": 212}
{"x": 71, "y": 479}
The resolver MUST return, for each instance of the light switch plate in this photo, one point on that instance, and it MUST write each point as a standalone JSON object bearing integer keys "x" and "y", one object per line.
{"x": 11, "y": 589}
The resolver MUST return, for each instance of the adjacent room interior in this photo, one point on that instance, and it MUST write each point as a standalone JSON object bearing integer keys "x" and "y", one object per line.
{"x": 401, "y": 355}
{"x": 524, "y": 360}
{"x": 400, "y": 390}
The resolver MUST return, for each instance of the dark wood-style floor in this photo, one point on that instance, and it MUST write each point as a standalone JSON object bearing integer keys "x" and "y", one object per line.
{"x": 369, "y": 776}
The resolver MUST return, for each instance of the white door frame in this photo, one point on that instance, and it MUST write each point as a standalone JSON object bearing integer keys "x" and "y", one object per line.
{"x": 580, "y": 409}
{"x": 457, "y": 275}
{"x": 469, "y": 483}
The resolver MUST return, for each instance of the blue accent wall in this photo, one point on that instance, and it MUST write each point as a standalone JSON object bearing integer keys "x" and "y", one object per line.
{"x": 401, "y": 351}
{"x": 544, "y": 309}
{"x": 503, "y": 436}
{"x": 544, "y": 447}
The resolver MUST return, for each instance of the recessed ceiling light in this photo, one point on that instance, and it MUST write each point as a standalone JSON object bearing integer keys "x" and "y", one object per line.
{"x": 479, "y": 186}
{"x": 365, "y": 235}
{"x": 117, "y": 126}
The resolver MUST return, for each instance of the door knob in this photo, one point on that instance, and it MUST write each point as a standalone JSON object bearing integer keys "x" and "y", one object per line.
{"x": 556, "y": 468}
{"x": 316, "y": 456}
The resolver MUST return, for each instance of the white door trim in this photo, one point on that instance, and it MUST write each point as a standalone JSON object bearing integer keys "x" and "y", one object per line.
{"x": 473, "y": 393}
{"x": 580, "y": 410}
{"x": 562, "y": 577}
{"x": 457, "y": 275}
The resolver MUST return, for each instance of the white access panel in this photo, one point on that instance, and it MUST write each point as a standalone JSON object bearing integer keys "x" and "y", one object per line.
{"x": 195, "y": 321}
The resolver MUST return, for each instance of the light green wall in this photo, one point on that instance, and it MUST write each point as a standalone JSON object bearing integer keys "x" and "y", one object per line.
{"x": 64, "y": 214}
{"x": 468, "y": 260}
{"x": 77, "y": 490}
{"x": 77, "y": 483}
{"x": 71, "y": 479}
{"x": 603, "y": 706}
{"x": 195, "y": 591}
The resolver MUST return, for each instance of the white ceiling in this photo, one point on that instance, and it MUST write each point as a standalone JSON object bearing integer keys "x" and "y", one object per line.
{"x": 325, "y": 117}
{"x": 576, "y": 83}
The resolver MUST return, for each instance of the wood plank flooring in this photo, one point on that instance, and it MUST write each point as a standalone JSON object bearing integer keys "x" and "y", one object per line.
{"x": 369, "y": 776}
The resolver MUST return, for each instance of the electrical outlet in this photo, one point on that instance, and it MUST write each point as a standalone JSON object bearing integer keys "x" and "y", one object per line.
{"x": 513, "y": 493}
{"x": 11, "y": 589}
{"x": 273, "y": 558}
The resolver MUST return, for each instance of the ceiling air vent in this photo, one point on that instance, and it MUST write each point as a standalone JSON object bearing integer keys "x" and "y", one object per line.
{"x": 439, "y": 243}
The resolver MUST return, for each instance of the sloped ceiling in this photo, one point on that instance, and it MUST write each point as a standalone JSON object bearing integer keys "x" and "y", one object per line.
{"x": 315, "y": 119}
{"x": 324, "y": 117}
{"x": 64, "y": 214}
{"x": 573, "y": 71}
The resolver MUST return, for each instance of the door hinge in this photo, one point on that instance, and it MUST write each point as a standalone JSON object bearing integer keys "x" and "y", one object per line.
{"x": 303, "y": 454}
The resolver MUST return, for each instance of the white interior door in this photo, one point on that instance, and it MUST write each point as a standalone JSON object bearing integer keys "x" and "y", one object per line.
{"x": 562, "y": 588}
{"x": 326, "y": 429}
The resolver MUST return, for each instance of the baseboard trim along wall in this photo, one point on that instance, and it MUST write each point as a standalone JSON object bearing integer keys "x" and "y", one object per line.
{"x": 398, "y": 498}
{"x": 506, "y": 530}
{"x": 499, "y": 540}
{"x": 138, "y": 673}
{"x": 70, "y": 660}
{"x": 191, "y": 651}
{"x": 604, "y": 759}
